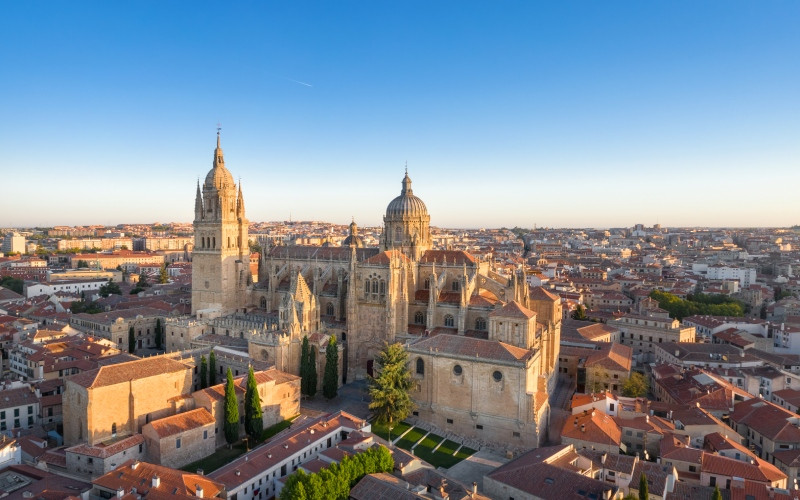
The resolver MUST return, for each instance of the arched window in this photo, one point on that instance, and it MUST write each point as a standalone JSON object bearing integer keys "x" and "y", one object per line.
{"x": 114, "y": 430}
{"x": 329, "y": 309}
{"x": 263, "y": 302}
{"x": 420, "y": 367}
{"x": 398, "y": 233}
{"x": 427, "y": 283}
{"x": 366, "y": 286}
{"x": 374, "y": 285}
{"x": 229, "y": 241}
{"x": 383, "y": 287}
{"x": 456, "y": 286}
{"x": 448, "y": 320}
{"x": 480, "y": 324}
{"x": 419, "y": 318}
{"x": 214, "y": 242}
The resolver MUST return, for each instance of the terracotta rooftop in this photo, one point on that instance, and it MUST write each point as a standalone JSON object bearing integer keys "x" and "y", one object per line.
{"x": 513, "y": 310}
{"x": 172, "y": 483}
{"x": 124, "y": 372}
{"x": 473, "y": 348}
{"x": 181, "y": 422}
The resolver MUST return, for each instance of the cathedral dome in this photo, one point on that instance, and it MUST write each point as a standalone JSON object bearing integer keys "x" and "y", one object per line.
{"x": 219, "y": 177}
{"x": 353, "y": 238}
{"x": 406, "y": 205}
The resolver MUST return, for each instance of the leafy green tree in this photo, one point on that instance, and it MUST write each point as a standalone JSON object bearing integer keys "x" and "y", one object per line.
{"x": 131, "y": 340}
{"x": 159, "y": 333}
{"x": 643, "y": 493}
{"x": 391, "y": 402}
{"x": 212, "y": 369}
{"x": 717, "y": 495}
{"x": 143, "y": 281}
{"x": 163, "y": 277}
{"x": 636, "y": 386}
{"x": 82, "y": 263}
{"x": 13, "y": 284}
{"x": 110, "y": 288}
{"x": 203, "y": 372}
{"x": 253, "y": 415}
{"x": 330, "y": 380}
{"x": 312, "y": 371}
{"x": 579, "y": 313}
{"x": 231, "y": 425}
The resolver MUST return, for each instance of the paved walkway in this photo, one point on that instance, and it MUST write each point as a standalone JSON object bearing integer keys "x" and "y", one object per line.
{"x": 475, "y": 467}
{"x": 352, "y": 398}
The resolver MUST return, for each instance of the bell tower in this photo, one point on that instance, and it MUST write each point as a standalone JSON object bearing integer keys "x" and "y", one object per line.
{"x": 221, "y": 256}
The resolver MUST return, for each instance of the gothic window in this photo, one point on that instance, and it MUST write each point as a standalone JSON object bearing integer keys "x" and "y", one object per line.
{"x": 480, "y": 324}
{"x": 383, "y": 287}
{"x": 420, "y": 367}
{"x": 229, "y": 241}
{"x": 329, "y": 309}
{"x": 374, "y": 285}
{"x": 366, "y": 286}
{"x": 448, "y": 320}
{"x": 263, "y": 302}
{"x": 427, "y": 283}
{"x": 214, "y": 242}
{"x": 114, "y": 430}
{"x": 398, "y": 235}
{"x": 456, "y": 286}
{"x": 419, "y": 318}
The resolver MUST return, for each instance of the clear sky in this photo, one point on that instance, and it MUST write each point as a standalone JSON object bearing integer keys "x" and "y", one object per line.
{"x": 508, "y": 113}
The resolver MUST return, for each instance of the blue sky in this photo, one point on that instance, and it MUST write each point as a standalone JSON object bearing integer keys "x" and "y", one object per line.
{"x": 582, "y": 114}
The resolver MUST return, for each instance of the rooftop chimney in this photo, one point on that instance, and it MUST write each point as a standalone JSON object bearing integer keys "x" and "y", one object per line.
{"x": 120, "y": 492}
{"x": 198, "y": 491}
{"x": 156, "y": 481}
{"x": 135, "y": 465}
{"x": 583, "y": 427}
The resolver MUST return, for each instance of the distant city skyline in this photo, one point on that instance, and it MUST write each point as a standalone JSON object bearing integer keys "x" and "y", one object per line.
{"x": 574, "y": 114}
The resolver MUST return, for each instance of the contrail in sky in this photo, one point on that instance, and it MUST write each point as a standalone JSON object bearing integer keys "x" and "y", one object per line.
{"x": 301, "y": 83}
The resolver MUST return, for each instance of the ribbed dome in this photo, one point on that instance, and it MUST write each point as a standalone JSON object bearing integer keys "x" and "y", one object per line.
{"x": 406, "y": 205}
{"x": 219, "y": 177}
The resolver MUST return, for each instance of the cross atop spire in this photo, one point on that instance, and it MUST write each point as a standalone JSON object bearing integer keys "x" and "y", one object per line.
{"x": 218, "y": 129}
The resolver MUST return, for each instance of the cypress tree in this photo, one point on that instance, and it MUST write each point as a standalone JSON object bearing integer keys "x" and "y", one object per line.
{"x": 203, "y": 372}
{"x": 131, "y": 340}
{"x": 330, "y": 381}
{"x": 304, "y": 366}
{"x": 212, "y": 369}
{"x": 312, "y": 371}
{"x": 231, "y": 411}
{"x": 643, "y": 493}
{"x": 159, "y": 332}
{"x": 253, "y": 416}
{"x": 717, "y": 495}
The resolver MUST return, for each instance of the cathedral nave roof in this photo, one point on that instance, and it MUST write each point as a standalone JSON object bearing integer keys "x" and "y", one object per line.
{"x": 463, "y": 346}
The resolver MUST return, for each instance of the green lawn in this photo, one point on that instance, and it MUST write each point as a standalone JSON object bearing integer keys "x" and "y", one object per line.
{"x": 213, "y": 462}
{"x": 274, "y": 429}
{"x": 465, "y": 452}
{"x": 383, "y": 431}
{"x": 448, "y": 447}
{"x": 443, "y": 457}
{"x": 409, "y": 439}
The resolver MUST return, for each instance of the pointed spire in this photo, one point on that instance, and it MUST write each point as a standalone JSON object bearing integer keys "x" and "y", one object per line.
{"x": 219, "y": 161}
{"x": 240, "y": 201}
{"x": 198, "y": 202}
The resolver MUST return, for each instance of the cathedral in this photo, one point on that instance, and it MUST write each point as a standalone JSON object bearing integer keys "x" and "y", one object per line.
{"x": 483, "y": 347}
